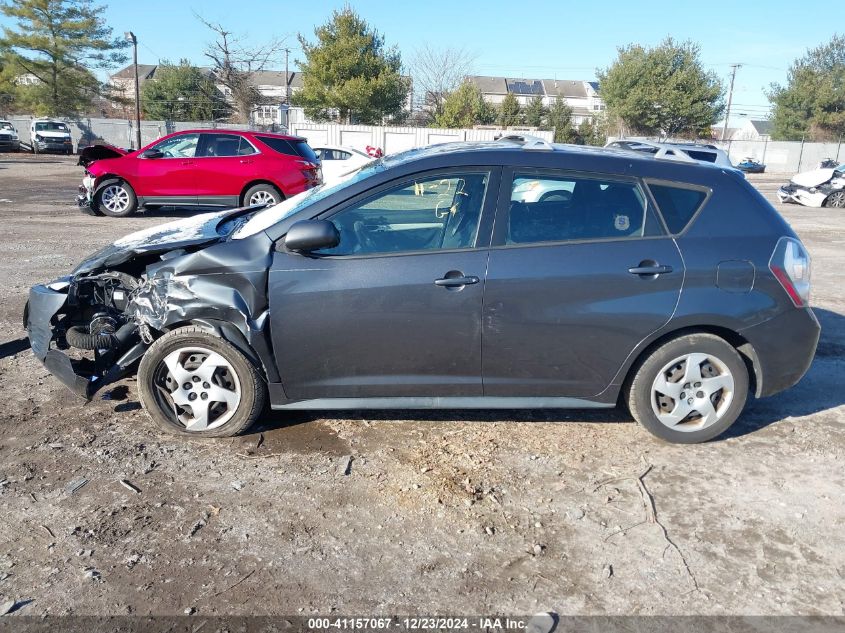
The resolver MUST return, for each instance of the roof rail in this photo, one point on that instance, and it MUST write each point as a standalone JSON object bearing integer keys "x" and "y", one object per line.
{"x": 667, "y": 153}
{"x": 528, "y": 142}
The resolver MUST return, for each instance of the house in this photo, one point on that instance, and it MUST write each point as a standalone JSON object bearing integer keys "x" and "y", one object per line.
{"x": 753, "y": 130}
{"x": 582, "y": 96}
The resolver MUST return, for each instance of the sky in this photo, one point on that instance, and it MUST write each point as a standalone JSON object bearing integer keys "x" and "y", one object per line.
{"x": 555, "y": 39}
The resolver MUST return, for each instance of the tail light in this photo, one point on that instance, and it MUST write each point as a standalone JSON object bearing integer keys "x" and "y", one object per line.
{"x": 790, "y": 264}
{"x": 313, "y": 174}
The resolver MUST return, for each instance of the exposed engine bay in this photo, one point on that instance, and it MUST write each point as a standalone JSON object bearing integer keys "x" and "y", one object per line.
{"x": 91, "y": 327}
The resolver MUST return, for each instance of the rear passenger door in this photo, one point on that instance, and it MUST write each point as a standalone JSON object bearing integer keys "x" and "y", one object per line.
{"x": 223, "y": 166}
{"x": 580, "y": 271}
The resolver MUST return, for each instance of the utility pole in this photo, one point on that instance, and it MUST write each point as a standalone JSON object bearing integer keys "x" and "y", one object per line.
{"x": 287, "y": 78}
{"x": 130, "y": 37}
{"x": 730, "y": 98}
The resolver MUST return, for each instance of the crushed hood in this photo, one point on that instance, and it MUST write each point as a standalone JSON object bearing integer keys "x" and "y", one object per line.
{"x": 98, "y": 152}
{"x": 813, "y": 178}
{"x": 206, "y": 228}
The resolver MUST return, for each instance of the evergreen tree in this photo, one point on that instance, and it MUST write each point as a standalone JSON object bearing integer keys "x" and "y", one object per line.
{"x": 465, "y": 107}
{"x": 350, "y": 71}
{"x": 182, "y": 92}
{"x": 560, "y": 120}
{"x": 59, "y": 41}
{"x": 509, "y": 111}
{"x": 536, "y": 113}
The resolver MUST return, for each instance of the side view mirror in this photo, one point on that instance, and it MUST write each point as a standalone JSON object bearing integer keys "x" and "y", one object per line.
{"x": 312, "y": 235}
{"x": 152, "y": 153}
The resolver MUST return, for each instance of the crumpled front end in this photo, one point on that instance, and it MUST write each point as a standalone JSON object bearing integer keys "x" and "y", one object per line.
{"x": 808, "y": 197}
{"x": 91, "y": 328}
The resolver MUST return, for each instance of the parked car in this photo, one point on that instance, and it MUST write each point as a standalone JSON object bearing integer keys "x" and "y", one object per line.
{"x": 49, "y": 135}
{"x": 205, "y": 168}
{"x": 751, "y": 166}
{"x": 422, "y": 281}
{"x": 823, "y": 187}
{"x": 696, "y": 151}
{"x": 9, "y": 139}
{"x": 336, "y": 160}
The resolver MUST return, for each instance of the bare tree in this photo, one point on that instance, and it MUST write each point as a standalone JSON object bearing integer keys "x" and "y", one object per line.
{"x": 437, "y": 72}
{"x": 234, "y": 65}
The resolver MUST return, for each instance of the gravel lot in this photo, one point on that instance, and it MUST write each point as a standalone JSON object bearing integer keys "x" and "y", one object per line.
{"x": 440, "y": 512}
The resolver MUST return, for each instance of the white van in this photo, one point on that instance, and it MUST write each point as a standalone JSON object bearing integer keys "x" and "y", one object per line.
{"x": 49, "y": 135}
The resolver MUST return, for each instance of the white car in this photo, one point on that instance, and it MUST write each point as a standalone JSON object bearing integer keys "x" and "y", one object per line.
{"x": 49, "y": 135}
{"x": 336, "y": 160}
{"x": 823, "y": 187}
{"x": 695, "y": 151}
{"x": 9, "y": 139}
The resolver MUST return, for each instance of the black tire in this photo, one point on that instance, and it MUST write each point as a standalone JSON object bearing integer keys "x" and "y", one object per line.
{"x": 639, "y": 391}
{"x": 131, "y": 200}
{"x": 268, "y": 190}
{"x": 155, "y": 379}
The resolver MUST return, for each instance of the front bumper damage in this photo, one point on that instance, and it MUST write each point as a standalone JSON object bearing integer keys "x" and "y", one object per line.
{"x": 806, "y": 196}
{"x": 85, "y": 195}
{"x": 91, "y": 328}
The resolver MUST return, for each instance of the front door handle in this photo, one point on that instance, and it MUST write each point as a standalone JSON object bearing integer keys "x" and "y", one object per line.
{"x": 187, "y": 162}
{"x": 246, "y": 162}
{"x": 452, "y": 282}
{"x": 650, "y": 269}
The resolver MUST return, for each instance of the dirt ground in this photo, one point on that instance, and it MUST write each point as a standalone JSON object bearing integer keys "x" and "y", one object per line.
{"x": 437, "y": 512}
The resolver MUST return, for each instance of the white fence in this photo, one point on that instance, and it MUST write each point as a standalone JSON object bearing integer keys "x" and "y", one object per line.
{"x": 121, "y": 132}
{"x": 787, "y": 157}
{"x": 393, "y": 139}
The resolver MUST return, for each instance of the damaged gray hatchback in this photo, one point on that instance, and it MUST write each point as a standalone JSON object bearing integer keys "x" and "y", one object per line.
{"x": 508, "y": 274}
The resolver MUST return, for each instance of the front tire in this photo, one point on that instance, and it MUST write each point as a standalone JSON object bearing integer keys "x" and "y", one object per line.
{"x": 116, "y": 200}
{"x": 195, "y": 383}
{"x": 690, "y": 389}
{"x": 262, "y": 194}
{"x": 836, "y": 200}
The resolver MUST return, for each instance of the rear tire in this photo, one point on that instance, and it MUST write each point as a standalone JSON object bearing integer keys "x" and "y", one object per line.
{"x": 116, "y": 200}
{"x": 690, "y": 389}
{"x": 226, "y": 392}
{"x": 262, "y": 194}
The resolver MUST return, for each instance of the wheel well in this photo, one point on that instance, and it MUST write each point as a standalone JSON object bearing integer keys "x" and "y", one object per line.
{"x": 746, "y": 352}
{"x": 259, "y": 182}
{"x": 107, "y": 178}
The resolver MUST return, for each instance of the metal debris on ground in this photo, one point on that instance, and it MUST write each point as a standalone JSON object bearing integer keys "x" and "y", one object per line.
{"x": 7, "y": 607}
{"x": 129, "y": 486}
{"x": 75, "y": 485}
{"x": 347, "y": 469}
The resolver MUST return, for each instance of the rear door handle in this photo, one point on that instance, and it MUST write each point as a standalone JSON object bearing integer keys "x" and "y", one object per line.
{"x": 187, "y": 162}
{"x": 650, "y": 269}
{"x": 451, "y": 282}
{"x": 246, "y": 162}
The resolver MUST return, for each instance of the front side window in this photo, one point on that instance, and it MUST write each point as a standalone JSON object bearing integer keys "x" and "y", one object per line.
{"x": 569, "y": 208}
{"x": 181, "y": 146}
{"x": 425, "y": 214}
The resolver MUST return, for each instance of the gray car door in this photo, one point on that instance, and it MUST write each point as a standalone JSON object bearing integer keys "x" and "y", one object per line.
{"x": 580, "y": 271}
{"x": 395, "y": 309}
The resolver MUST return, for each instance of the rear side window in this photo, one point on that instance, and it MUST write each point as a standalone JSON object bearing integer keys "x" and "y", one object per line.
{"x": 300, "y": 149}
{"x": 547, "y": 208}
{"x": 677, "y": 204}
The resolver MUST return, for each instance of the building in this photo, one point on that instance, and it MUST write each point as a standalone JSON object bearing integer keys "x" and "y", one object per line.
{"x": 752, "y": 130}
{"x": 582, "y": 96}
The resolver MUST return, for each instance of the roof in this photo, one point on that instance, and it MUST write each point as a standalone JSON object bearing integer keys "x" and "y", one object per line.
{"x": 565, "y": 88}
{"x": 276, "y": 78}
{"x": 145, "y": 71}
{"x": 763, "y": 128}
{"x": 222, "y": 130}
{"x": 574, "y": 88}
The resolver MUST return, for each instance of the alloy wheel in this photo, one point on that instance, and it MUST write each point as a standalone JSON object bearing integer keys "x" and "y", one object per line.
{"x": 115, "y": 198}
{"x": 261, "y": 197}
{"x": 692, "y": 392}
{"x": 836, "y": 199}
{"x": 199, "y": 386}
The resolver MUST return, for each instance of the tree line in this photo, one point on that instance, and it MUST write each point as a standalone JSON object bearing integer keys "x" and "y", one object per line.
{"x": 350, "y": 74}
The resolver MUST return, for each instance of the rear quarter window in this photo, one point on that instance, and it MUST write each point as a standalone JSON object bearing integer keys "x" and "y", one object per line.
{"x": 287, "y": 147}
{"x": 707, "y": 157}
{"x": 677, "y": 205}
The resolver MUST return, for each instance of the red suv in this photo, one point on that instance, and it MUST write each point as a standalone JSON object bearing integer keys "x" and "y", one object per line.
{"x": 226, "y": 168}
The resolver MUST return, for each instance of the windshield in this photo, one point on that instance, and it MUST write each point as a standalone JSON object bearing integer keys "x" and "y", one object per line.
{"x": 50, "y": 126}
{"x": 286, "y": 208}
{"x": 5, "y": 125}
